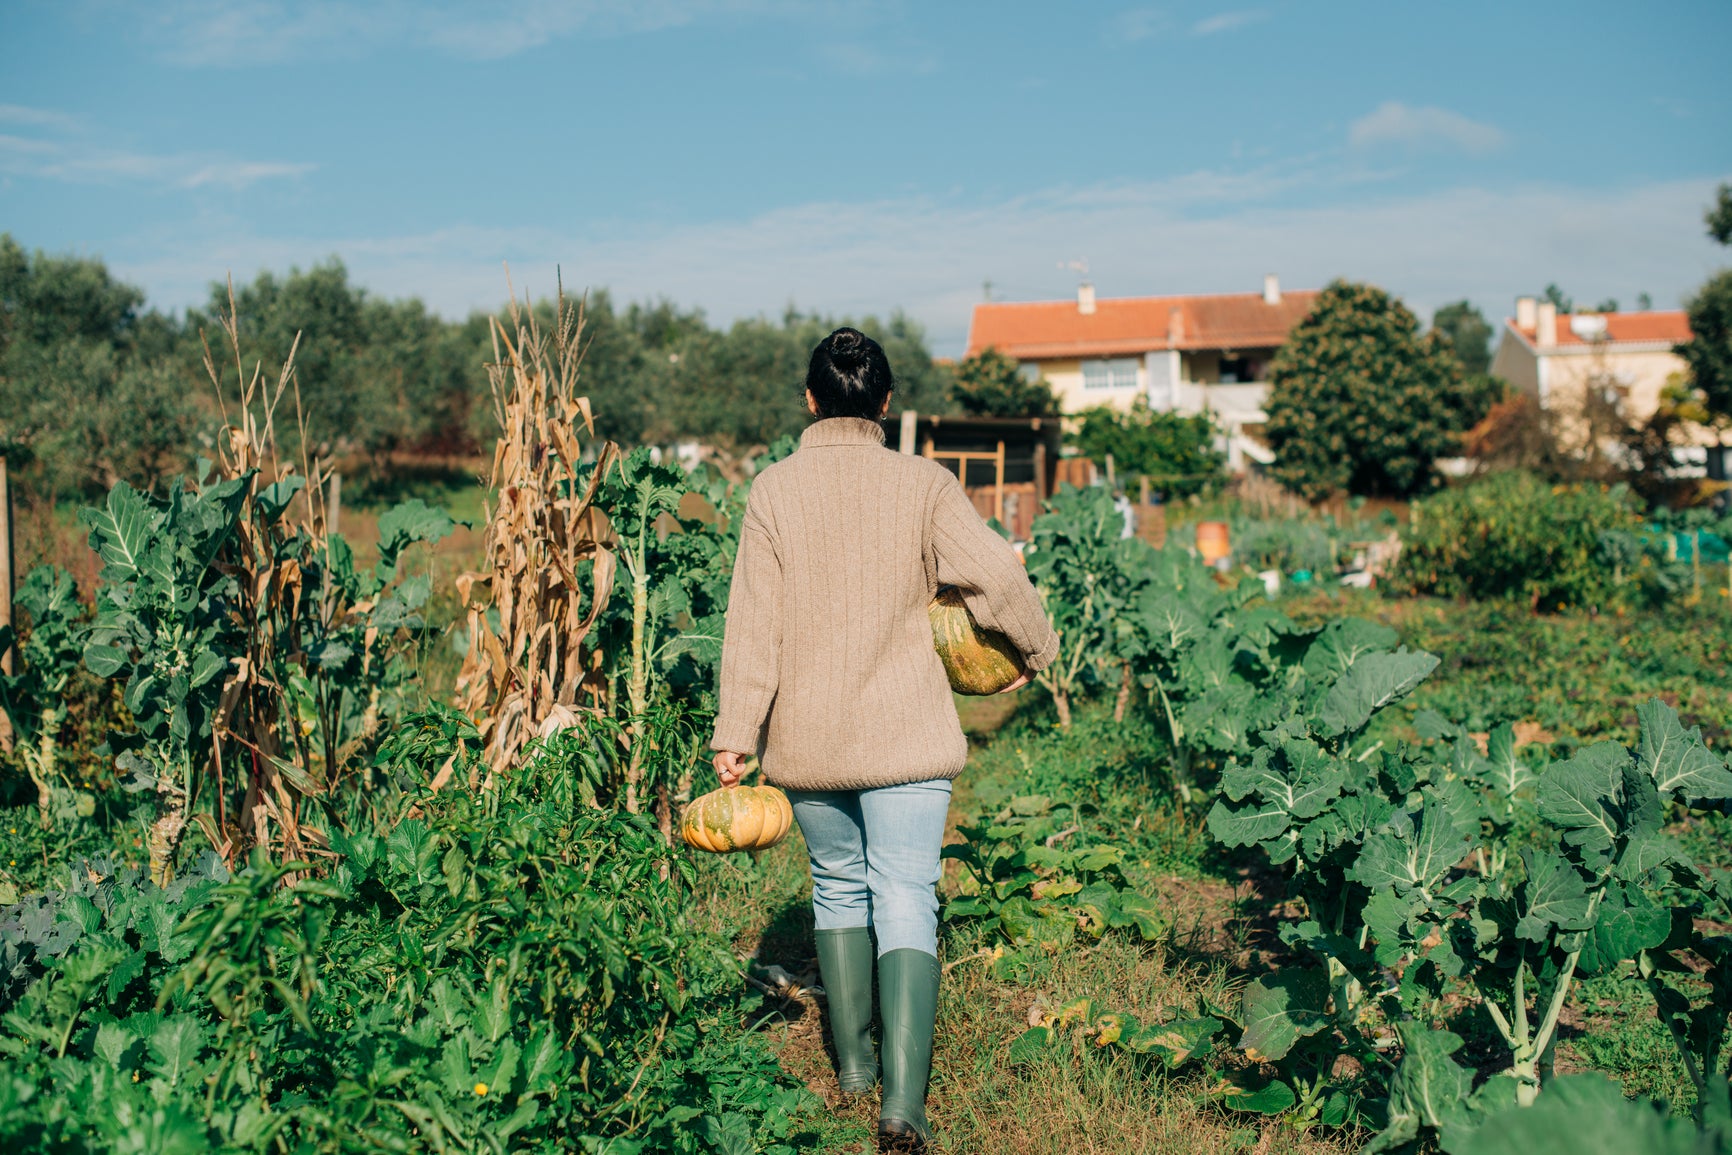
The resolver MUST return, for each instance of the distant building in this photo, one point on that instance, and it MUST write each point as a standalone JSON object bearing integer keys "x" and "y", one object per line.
{"x": 1553, "y": 357}
{"x": 1186, "y": 354}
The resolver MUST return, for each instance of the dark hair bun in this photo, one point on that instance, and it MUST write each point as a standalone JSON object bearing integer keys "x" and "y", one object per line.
{"x": 847, "y": 347}
{"x": 849, "y": 376}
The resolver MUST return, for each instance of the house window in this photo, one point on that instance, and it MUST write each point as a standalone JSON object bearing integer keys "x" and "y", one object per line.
{"x": 1240, "y": 370}
{"x": 1116, "y": 374}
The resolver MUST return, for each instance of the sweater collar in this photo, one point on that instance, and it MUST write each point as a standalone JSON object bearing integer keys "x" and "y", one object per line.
{"x": 842, "y": 431}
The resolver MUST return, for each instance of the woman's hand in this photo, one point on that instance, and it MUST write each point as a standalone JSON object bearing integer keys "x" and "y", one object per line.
{"x": 1021, "y": 681}
{"x": 730, "y": 767}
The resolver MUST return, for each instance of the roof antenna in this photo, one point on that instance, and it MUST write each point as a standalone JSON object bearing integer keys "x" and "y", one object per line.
{"x": 1080, "y": 267}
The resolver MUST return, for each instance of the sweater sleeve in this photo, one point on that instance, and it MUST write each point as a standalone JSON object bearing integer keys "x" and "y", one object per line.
{"x": 752, "y": 638}
{"x": 986, "y": 571}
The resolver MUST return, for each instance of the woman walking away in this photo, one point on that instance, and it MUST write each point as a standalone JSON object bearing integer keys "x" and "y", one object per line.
{"x": 830, "y": 676}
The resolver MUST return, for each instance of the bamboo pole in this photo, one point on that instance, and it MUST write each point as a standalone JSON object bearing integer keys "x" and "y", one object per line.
{"x": 334, "y": 504}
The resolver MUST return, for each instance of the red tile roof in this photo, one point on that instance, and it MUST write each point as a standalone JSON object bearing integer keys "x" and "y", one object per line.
{"x": 1043, "y": 330}
{"x": 1655, "y": 327}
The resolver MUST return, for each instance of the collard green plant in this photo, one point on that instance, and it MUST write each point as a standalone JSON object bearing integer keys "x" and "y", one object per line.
{"x": 33, "y": 697}
{"x": 1088, "y": 575}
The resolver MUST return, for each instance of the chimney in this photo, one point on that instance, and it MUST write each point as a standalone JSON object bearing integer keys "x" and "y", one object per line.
{"x": 1175, "y": 326}
{"x": 1271, "y": 289}
{"x": 1525, "y": 313}
{"x": 1085, "y": 299}
{"x": 1546, "y": 326}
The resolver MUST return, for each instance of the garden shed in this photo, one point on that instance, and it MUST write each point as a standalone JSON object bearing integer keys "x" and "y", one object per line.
{"x": 1007, "y": 465}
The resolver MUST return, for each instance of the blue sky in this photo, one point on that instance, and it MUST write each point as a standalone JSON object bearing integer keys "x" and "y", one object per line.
{"x": 742, "y": 155}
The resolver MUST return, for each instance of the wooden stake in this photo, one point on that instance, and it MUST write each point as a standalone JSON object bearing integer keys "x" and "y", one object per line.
{"x": 6, "y": 619}
{"x": 998, "y": 483}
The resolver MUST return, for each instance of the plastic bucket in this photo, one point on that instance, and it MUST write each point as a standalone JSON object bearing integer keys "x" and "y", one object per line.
{"x": 1212, "y": 541}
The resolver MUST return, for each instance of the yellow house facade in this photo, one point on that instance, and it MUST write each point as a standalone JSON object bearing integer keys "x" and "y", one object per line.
{"x": 1186, "y": 354}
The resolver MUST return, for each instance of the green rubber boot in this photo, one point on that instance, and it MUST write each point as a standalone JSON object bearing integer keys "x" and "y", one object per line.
{"x": 845, "y": 967}
{"x": 908, "y": 1002}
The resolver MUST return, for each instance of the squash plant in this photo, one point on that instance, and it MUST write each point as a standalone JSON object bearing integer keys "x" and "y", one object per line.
{"x": 1029, "y": 881}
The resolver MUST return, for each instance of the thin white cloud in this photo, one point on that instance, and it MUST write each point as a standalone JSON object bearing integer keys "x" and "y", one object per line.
{"x": 80, "y": 162}
{"x": 241, "y": 33}
{"x": 37, "y": 117}
{"x": 1229, "y": 21}
{"x": 1134, "y": 24}
{"x": 1395, "y": 123}
{"x": 929, "y": 256}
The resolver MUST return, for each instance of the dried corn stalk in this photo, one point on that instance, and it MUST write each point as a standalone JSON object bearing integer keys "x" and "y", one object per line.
{"x": 531, "y": 610}
{"x": 274, "y": 761}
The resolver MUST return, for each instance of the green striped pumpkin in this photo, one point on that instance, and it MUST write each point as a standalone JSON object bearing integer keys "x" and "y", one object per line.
{"x": 977, "y": 661}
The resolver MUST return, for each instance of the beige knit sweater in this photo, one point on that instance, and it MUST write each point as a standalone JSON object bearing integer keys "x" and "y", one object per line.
{"x": 828, "y": 669}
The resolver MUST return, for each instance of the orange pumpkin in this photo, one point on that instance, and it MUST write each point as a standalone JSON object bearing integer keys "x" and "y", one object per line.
{"x": 743, "y": 818}
{"x": 977, "y": 661}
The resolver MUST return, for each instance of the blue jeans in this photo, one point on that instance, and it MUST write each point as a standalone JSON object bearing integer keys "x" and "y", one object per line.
{"x": 875, "y": 859}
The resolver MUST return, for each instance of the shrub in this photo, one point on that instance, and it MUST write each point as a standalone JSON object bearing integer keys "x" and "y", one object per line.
{"x": 1176, "y": 452}
{"x": 1513, "y": 536}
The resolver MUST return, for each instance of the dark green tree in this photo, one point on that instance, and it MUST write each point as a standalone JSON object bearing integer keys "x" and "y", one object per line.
{"x": 1359, "y": 401}
{"x": 1468, "y": 333}
{"x": 372, "y": 375}
{"x": 1719, "y": 215}
{"x": 1176, "y": 452}
{"x": 90, "y": 388}
{"x": 1708, "y": 352}
{"x": 990, "y": 384}
{"x": 1564, "y": 302}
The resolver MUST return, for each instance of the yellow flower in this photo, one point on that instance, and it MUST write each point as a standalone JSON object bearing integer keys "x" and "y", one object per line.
{"x": 481, "y": 1088}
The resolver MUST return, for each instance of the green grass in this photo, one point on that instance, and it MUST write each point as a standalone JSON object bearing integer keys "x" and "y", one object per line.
{"x": 1579, "y": 677}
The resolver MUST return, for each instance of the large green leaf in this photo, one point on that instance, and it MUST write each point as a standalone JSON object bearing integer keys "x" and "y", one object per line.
{"x": 1676, "y": 759}
{"x": 1177, "y": 1042}
{"x": 121, "y": 531}
{"x": 1554, "y": 895}
{"x": 1371, "y": 683}
{"x": 174, "y": 1048}
{"x": 1413, "y": 854}
{"x": 1507, "y": 774}
{"x": 1428, "y": 1089}
{"x": 409, "y": 522}
{"x": 1270, "y": 1098}
{"x": 1247, "y": 825}
{"x": 1342, "y": 643}
{"x": 1584, "y": 1115}
{"x": 1282, "y": 1008}
{"x": 1580, "y": 794}
{"x": 1627, "y": 922}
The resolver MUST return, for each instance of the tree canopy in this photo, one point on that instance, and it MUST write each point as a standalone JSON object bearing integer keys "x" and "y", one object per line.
{"x": 1359, "y": 401}
{"x": 1468, "y": 333}
{"x": 990, "y": 384}
{"x": 95, "y": 387}
{"x": 1708, "y": 353}
{"x": 1176, "y": 452}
